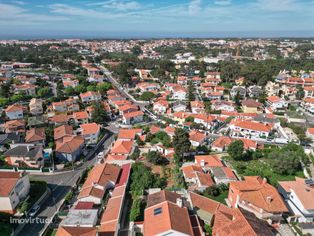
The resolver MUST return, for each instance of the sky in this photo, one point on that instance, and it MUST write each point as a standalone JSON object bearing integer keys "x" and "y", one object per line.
{"x": 155, "y": 18}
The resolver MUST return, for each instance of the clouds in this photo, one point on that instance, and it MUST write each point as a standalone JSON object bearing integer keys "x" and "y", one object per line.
{"x": 119, "y": 5}
{"x": 223, "y": 2}
{"x": 158, "y": 16}
{"x": 194, "y": 7}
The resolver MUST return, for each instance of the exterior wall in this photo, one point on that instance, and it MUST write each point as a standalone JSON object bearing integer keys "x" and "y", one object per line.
{"x": 69, "y": 156}
{"x": 20, "y": 192}
{"x": 15, "y": 115}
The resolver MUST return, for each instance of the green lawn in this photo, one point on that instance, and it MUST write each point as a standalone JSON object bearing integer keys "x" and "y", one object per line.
{"x": 220, "y": 198}
{"x": 261, "y": 168}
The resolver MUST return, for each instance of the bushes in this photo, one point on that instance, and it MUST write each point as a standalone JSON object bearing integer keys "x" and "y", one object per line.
{"x": 137, "y": 210}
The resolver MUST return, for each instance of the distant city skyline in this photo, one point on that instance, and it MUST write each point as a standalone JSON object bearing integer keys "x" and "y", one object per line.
{"x": 32, "y": 19}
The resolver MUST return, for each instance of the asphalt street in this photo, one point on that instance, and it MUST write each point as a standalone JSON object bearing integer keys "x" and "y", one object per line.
{"x": 60, "y": 184}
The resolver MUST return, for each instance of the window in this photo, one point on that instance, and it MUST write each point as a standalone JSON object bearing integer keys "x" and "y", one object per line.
{"x": 157, "y": 211}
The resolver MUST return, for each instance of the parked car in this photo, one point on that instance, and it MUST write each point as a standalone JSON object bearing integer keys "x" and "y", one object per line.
{"x": 34, "y": 210}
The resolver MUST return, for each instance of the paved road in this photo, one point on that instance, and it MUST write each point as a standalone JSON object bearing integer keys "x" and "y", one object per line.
{"x": 60, "y": 184}
{"x": 126, "y": 94}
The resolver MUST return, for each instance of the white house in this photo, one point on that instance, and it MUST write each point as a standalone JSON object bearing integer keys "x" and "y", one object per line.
{"x": 179, "y": 93}
{"x": 299, "y": 196}
{"x": 14, "y": 112}
{"x": 276, "y": 103}
{"x": 249, "y": 129}
{"x": 15, "y": 188}
{"x": 90, "y": 132}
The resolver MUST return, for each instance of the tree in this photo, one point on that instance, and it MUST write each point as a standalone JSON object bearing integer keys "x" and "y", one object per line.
{"x": 181, "y": 143}
{"x": 91, "y": 88}
{"x": 43, "y": 92}
{"x": 3, "y": 101}
{"x": 287, "y": 160}
{"x": 137, "y": 209}
{"x": 147, "y": 96}
{"x": 80, "y": 88}
{"x": 189, "y": 119}
{"x": 104, "y": 87}
{"x": 142, "y": 178}
{"x": 136, "y": 50}
{"x": 154, "y": 157}
{"x": 136, "y": 153}
{"x": 236, "y": 149}
{"x": 69, "y": 91}
{"x": 99, "y": 115}
{"x": 208, "y": 230}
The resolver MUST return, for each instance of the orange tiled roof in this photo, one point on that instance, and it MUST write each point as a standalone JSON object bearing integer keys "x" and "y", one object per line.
{"x": 35, "y": 134}
{"x": 90, "y": 128}
{"x": 256, "y": 191}
{"x": 210, "y": 160}
{"x": 122, "y": 147}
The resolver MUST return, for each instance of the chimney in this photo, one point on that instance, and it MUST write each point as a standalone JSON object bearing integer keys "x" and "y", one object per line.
{"x": 264, "y": 181}
{"x": 202, "y": 163}
{"x": 179, "y": 202}
{"x": 269, "y": 199}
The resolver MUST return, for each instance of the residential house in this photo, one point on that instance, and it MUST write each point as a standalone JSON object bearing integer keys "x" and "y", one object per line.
{"x": 133, "y": 117}
{"x": 241, "y": 90}
{"x": 197, "y": 107}
{"x": 81, "y": 117}
{"x": 148, "y": 87}
{"x": 59, "y": 106}
{"x": 255, "y": 91}
{"x": 62, "y": 132}
{"x": 90, "y": 132}
{"x": 122, "y": 148}
{"x": 197, "y": 138}
{"x": 90, "y": 96}
{"x": 25, "y": 154}
{"x": 310, "y": 133}
{"x": 299, "y": 195}
{"x": 36, "y": 106}
{"x": 276, "y": 103}
{"x": 28, "y": 89}
{"x": 249, "y": 129}
{"x": 7, "y": 139}
{"x": 208, "y": 162}
{"x": 160, "y": 106}
{"x": 255, "y": 195}
{"x": 221, "y": 105}
{"x": 252, "y": 106}
{"x": 309, "y": 91}
{"x": 165, "y": 209}
{"x": 179, "y": 106}
{"x": 272, "y": 89}
{"x": 228, "y": 221}
{"x": 223, "y": 174}
{"x": 196, "y": 178}
{"x": 179, "y": 93}
{"x": 13, "y": 126}
{"x": 101, "y": 178}
{"x": 128, "y": 134}
{"x": 14, "y": 189}
{"x": 60, "y": 119}
{"x": 14, "y": 112}
{"x": 69, "y": 148}
{"x": 36, "y": 136}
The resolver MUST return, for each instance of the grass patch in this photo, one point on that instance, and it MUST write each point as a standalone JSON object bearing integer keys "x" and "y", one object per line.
{"x": 261, "y": 168}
